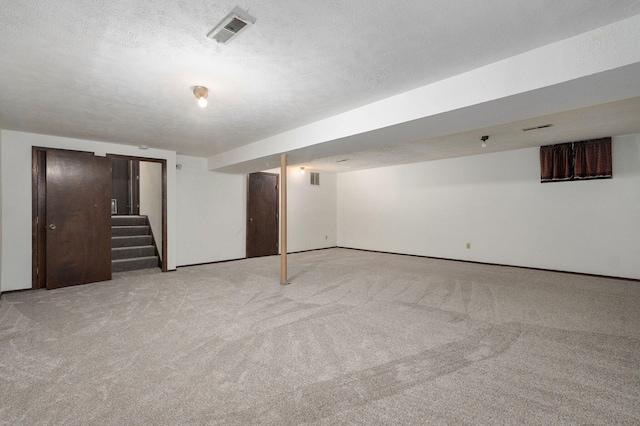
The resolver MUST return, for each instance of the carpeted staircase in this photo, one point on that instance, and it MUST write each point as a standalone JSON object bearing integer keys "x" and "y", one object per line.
{"x": 132, "y": 246}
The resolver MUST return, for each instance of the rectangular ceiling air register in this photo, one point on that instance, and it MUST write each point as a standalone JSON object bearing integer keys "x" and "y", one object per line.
{"x": 233, "y": 24}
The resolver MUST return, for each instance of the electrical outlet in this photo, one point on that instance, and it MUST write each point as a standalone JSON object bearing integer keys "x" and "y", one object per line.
{"x": 468, "y": 245}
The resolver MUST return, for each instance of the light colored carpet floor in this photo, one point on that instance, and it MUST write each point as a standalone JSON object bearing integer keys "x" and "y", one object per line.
{"x": 356, "y": 338}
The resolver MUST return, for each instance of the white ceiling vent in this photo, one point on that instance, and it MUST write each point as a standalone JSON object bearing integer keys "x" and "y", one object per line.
{"x": 232, "y": 25}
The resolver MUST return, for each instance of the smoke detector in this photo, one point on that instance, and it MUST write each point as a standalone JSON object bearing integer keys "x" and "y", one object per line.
{"x": 233, "y": 24}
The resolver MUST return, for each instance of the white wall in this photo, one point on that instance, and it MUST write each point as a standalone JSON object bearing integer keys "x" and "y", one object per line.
{"x": 311, "y": 211}
{"x": 496, "y": 203}
{"x": 0, "y": 212}
{"x": 15, "y": 172}
{"x": 151, "y": 198}
{"x": 213, "y": 228}
{"x": 312, "y": 219}
{"x": 211, "y": 213}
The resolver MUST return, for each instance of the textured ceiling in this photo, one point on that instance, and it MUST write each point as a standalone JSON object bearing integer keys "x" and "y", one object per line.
{"x": 613, "y": 118}
{"x": 122, "y": 71}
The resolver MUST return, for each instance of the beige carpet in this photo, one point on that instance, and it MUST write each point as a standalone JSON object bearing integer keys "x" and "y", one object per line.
{"x": 357, "y": 338}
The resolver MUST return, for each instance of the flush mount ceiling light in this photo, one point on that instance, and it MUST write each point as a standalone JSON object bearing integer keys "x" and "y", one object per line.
{"x": 233, "y": 24}
{"x": 201, "y": 93}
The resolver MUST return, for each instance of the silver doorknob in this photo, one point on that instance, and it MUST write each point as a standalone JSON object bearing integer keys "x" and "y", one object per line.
{"x": 52, "y": 227}
{"x": 250, "y": 219}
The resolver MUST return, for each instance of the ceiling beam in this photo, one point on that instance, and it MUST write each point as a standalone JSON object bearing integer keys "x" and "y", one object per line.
{"x": 599, "y": 66}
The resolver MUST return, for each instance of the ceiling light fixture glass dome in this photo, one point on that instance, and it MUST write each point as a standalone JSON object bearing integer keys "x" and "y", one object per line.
{"x": 201, "y": 93}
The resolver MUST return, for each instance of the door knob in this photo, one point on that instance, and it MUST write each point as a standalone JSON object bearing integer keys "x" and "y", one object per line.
{"x": 52, "y": 227}
{"x": 250, "y": 219}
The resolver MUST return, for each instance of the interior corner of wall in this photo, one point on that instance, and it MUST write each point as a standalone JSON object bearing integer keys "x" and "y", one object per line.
{"x": 1, "y": 211}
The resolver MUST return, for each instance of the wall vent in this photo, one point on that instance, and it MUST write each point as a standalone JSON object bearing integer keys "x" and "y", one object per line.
{"x": 544, "y": 126}
{"x": 233, "y": 24}
{"x": 315, "y": 178}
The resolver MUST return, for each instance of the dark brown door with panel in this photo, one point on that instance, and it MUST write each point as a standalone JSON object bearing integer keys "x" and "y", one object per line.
{"x": 78, "y": 218}
{"x": 262, "y": 214}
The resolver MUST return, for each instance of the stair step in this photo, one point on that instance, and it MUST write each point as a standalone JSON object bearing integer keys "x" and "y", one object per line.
{"x": 128, "y": 220}
{"x": 132, "y": 251}
{"x": 121, "y": 265}
{"x": 131, "y": 241}
{"x": 118, "y": 231}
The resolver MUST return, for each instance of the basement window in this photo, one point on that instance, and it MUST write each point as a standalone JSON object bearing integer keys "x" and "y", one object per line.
{"x": 590, "y": 159}
{"x": 314, "y": 178}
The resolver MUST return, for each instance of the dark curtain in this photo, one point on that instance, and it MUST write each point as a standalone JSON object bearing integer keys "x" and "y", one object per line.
{"x": 593, "y": 159}
{"x": 556, "y": 162}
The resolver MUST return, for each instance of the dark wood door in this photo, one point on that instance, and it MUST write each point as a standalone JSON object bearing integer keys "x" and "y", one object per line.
{"x": 262, "y": 214}
{"x": 134, "y": 178}
{"x": 78, "y": 225}
{"x": 120, "y": 186}
{"x": 125, "y": 186}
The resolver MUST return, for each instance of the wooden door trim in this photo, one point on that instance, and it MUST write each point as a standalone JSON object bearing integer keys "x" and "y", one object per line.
{"x": 34, "y": 217}
{"x": 165, "y": 246}
{"x": 134, "y": 180}
{"x": 38, "y": 184}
